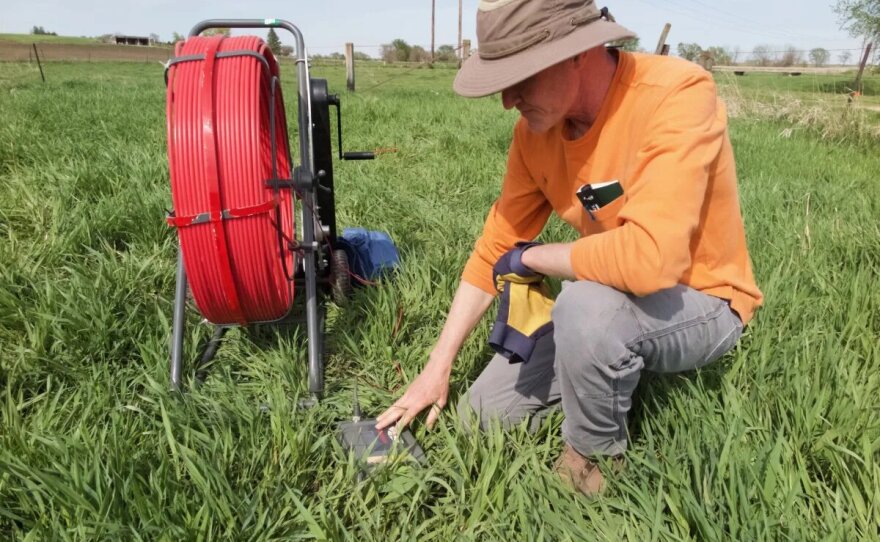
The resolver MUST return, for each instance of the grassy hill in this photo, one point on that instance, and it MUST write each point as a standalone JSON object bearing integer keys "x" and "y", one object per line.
{"x": 42, "y": 38}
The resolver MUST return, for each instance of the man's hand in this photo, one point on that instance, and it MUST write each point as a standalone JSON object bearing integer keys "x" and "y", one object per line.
{"x": 511, "y": 262}
{"x": 429, "y": 389}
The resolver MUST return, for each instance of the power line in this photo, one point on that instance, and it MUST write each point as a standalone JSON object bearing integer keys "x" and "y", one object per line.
{"x": 702, "y": 20}
{"x": 752, "y": 28}
{"x": 808, "y": 50}
{"x": 687, "y": 11}
{"x": 753, "y": 23}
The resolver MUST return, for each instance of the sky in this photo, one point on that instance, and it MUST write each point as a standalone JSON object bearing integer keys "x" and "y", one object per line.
{"x": 326, "y": 25}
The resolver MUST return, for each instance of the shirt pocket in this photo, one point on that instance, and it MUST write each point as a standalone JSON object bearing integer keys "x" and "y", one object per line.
{"x": 602, "y": 219}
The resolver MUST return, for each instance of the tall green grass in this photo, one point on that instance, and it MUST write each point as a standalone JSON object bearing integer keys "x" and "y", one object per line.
{"x": 778, "y": 440}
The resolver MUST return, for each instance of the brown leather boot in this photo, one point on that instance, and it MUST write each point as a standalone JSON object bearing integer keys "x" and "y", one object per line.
{"x": 581, "y": 472}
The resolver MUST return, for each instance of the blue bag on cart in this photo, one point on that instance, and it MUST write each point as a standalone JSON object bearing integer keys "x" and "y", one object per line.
{"x": 371, "y": 254}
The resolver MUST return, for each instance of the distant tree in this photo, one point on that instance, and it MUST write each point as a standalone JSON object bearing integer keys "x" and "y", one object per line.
{"x": 286, "y": 50}
{"x": 154, "y": 38}
{"x": 790, "y": 57}
{"x": 418, "y": 54}
{"x": 860, "y": 17}
{"x": 217, "y": 32}
{"x": 761, "y": 55}
{"x": 360, "y": 55}
{"x": 630, "y": 45}
{"x": 331, "y": 56}
{"x": 720, "y": 55}
{"x": 402, "y": 48}
{"x": 387, "y": 53}
{"x": 445, "y": 53}
{"x": 844, "y": 58}
{"x": 689, "y": 51}
{"x": 396, "y": 51}
{"x": 819, "y": 56}
{"x": 175, "y": 37}
{"x": 40, "y": 31}
{"x": 273, "y": 42}
{"x": 736, "y": 53}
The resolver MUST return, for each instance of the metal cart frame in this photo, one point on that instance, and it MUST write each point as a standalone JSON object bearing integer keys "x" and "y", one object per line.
{"x": 312, "y": 181}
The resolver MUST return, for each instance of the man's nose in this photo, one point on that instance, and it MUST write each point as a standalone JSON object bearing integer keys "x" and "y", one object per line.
{"x": 509, "y": 97}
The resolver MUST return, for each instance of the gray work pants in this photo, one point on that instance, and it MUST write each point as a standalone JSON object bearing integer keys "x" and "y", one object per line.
{"x": 602, "y": 340}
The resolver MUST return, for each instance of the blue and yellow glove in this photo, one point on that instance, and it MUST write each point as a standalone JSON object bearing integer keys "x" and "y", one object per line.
{"x": 524, "y": 306}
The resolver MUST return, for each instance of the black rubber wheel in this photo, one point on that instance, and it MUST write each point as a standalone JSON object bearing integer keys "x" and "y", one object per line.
{"x": 340, "y": 279}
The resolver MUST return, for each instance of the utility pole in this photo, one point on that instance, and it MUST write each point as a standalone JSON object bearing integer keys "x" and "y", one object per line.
{"x": 433, "y": 6}
{"x": 458, "y": 46}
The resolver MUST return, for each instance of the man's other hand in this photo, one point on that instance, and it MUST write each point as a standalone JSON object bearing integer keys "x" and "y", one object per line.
{"x": 430, "y": 389}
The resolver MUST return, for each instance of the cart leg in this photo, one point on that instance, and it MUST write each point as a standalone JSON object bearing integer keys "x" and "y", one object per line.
{"x": 316, "y": 360}
{"x": 178, "y": 324}
{"x": 209, "y": 352}
{"x": 315, "y": 336}
{"x": 316, "y": 339}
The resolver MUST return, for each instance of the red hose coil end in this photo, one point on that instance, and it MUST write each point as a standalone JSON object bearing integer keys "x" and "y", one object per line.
{"x": 220, "y": 155}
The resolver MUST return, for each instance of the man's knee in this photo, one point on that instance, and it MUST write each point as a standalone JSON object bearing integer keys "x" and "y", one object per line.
{"x": 592, "y": 319}
{"x": 584, "y": 303}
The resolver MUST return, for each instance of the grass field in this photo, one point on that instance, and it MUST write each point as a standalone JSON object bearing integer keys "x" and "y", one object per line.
{"x": 45, "y": 38}
{"x": 779, "y": 440}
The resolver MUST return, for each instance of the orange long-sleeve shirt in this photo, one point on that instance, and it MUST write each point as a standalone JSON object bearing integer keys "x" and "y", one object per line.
{"x": 662, "y": 133}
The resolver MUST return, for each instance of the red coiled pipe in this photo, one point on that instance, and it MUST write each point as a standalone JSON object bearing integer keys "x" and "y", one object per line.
{"x": 220, "y": 157}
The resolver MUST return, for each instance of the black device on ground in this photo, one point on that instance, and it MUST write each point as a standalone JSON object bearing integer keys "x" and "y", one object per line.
{"x": 372, "y": 447}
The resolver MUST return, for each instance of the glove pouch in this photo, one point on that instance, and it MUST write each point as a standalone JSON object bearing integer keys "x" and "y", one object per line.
{"x": 524, "y": 316}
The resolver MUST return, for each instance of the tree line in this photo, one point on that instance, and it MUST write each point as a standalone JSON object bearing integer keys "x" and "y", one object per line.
{"x": 40, "y": 31}
{"x": 761, "y": 55}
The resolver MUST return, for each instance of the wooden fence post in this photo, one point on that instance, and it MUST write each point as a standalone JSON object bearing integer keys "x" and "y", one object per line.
{"x": 40, "y": 64}
{"x": 857, "y": 86}
{"x": 349, "y": 66}
{"x": 465, "y": 49}
{"x": 662, "y": 42}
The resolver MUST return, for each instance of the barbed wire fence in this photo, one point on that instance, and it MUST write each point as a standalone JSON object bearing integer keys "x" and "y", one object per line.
{"x": 785, "y": 57}
{"x": 763, "y": 55}
{"x": 415, "y": 53}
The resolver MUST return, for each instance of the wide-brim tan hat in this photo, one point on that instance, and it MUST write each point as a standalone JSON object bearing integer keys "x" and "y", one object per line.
{"x": 519, "y": 38}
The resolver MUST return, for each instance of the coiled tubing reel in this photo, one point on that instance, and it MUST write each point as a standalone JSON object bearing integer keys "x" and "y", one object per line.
{"x": 236, "y": 189}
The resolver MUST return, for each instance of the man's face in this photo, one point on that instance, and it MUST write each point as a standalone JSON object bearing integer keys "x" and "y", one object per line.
{"x": 545, "y": 98}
